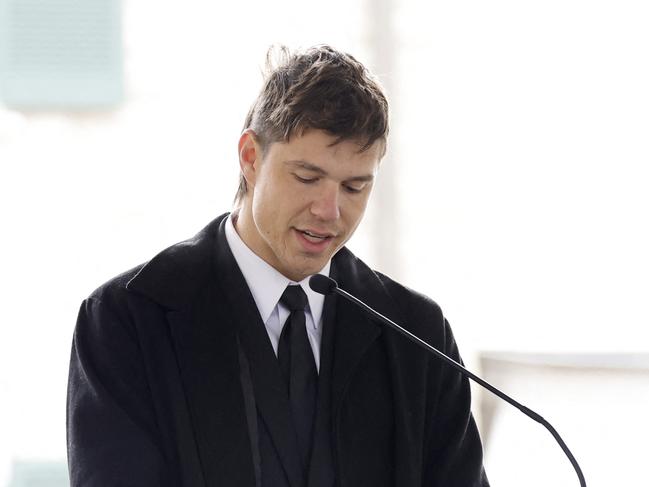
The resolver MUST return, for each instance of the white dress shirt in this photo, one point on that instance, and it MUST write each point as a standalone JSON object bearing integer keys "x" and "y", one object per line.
{"x": 267, "y": 285}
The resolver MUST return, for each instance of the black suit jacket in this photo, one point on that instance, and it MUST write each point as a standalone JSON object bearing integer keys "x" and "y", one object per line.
{"x": 157, "y": 393}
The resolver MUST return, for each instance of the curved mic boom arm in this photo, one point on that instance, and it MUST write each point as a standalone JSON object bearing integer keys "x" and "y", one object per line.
{"x": 325, "y": 285}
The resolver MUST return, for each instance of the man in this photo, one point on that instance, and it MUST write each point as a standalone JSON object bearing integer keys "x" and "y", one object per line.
{"x": 214, "y": 364}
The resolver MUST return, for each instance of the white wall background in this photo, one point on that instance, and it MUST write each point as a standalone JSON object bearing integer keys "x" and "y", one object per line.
{"x": 524, "y": 136}
{"x": 519, "y": 148}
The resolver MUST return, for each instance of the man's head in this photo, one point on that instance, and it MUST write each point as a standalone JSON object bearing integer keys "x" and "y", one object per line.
{"x": 321, "y": 89}
{"x": 309, "y": 152}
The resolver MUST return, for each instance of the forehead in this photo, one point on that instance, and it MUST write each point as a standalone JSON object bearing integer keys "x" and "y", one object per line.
{"x": 320, "y": 149}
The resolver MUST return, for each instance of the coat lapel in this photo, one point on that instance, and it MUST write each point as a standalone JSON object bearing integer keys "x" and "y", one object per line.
{"x": 201, "y": 326}
{"x": 355, "y": 332}
{"x": 270, "y": 391}
{"x": 207, "y": 357}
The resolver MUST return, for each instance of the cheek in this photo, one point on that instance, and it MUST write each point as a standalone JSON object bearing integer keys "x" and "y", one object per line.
{"x": 354, "y": 211}
{"x": 268, "y": 212}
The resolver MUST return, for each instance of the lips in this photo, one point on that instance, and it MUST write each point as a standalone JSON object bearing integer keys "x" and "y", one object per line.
{"x": 314, "y": 240}
{"x": 315, "y": 236}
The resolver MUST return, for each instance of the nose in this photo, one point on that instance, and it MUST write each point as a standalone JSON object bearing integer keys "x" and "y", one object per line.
{"x": 325, "y": 206}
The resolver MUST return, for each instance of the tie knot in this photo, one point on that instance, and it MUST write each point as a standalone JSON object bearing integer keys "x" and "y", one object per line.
{"x": 294, "y": 298}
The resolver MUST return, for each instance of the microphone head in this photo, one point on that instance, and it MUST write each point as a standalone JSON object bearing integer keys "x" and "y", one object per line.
{"x": 322, "y": 284}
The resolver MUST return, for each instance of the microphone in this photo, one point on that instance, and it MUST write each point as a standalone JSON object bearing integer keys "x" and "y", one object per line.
{"x": 325, "y": 285}
{"x": 322, "y": 284}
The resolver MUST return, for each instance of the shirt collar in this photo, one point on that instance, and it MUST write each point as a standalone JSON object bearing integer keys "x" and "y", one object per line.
{"x": 265, "y": 282}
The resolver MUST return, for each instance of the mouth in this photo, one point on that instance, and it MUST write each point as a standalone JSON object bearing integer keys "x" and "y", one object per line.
{"x": 314, "y": 236}
{"x": 313, "y": 241}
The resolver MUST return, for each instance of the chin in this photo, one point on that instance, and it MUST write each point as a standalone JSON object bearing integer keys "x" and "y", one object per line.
{"x": 303, "y": 270}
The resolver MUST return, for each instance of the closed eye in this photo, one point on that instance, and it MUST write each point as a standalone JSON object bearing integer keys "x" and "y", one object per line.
{"x": 305, "y": 180}
{"x": 353, "y": 189}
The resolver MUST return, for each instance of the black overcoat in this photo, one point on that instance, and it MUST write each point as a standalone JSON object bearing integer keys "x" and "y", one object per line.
{"x": 155, "y": 392}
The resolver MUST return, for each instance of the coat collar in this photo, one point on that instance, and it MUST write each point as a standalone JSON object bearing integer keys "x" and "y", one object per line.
{"x": 174, "y": 277}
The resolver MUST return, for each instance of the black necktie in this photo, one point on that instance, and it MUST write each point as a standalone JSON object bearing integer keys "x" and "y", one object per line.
{"x": 298, "y": 367}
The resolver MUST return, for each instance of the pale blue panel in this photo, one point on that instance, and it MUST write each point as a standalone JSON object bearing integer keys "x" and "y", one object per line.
{"x": 61, "y": 54}
{"x": 39, "y": 474}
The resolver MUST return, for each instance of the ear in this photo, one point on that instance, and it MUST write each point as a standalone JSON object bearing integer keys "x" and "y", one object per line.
{"x": 249, "y": 156}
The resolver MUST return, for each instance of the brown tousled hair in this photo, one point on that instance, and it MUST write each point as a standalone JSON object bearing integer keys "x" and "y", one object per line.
{"x": 320, "y": 88}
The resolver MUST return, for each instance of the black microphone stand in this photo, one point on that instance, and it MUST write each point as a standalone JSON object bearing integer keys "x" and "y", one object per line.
{"x": 326, "y": 285}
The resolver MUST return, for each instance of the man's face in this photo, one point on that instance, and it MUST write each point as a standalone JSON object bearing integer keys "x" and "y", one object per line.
{"x": 305, "y": 198}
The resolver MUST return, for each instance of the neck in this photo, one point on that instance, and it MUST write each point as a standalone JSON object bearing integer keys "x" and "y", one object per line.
{"x": 243, "y": 223}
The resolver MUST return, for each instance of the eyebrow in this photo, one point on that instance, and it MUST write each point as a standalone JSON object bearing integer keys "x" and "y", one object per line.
{"x": 312, "y": 167}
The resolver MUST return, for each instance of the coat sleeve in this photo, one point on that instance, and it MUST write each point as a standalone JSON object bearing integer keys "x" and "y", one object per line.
{"x": 454, "y": 450}
{"x": 111, "y": 428}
